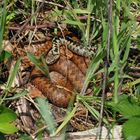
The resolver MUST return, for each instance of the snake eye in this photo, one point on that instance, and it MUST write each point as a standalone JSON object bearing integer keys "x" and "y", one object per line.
{"x": 72, "y": 39}
{"x": 69, "y": 38}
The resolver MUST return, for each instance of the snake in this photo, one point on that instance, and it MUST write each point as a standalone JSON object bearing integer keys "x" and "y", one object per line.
{"x": 54, "y": 54}
{"x": 67, "y": 74}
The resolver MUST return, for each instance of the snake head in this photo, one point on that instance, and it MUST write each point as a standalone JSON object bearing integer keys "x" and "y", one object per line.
{"x": 52, "y": 57}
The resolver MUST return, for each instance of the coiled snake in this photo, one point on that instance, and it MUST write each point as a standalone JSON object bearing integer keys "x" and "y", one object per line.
{"x": 67, "y": 64}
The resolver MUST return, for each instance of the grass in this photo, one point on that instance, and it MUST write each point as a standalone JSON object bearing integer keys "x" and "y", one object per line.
{"x": 2, "y": 23}
{"x": 109, "y": 27}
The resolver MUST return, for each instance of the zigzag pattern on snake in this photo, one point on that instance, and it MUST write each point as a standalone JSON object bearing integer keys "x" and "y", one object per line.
{"x": 70, "y": 72}
{"x": 54, "y": 53}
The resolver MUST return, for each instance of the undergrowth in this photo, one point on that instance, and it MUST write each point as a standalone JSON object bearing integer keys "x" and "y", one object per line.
{"x": 111, "y": 27}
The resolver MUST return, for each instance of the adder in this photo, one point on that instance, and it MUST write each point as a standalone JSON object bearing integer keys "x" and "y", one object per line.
{"x": 67, "y": 62}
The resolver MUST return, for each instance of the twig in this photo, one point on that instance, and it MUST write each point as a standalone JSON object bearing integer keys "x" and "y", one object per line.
{"x": 51, "y": 3}
{"x": 25, "y": 24}
{"x": 33, "y": 26}
{"x": 105, "y": 68}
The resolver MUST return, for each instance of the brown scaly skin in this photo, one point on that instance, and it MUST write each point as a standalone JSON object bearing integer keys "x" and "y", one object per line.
{"x": 68, "y": 69}
{"x": 37, "y": 50}
{"x": 58, "y": 96}
{"x": 59, "y": 79}
{"x": 81, "y": 62}
{"x": 71, "y": 71}
{"x": 74, "y": 79}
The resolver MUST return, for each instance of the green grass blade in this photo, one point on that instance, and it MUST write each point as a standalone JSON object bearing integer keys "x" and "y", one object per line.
{"x": 116, "y": 64}
{"x": 91, "y": 70}
{"x": 13, "y": 74}
{"x": 89, "y": 9}
{"x": 11, "y": 79}
{"x": 40, "y": 64}
{"x": 71, "y": 15}
{"x": 66, "y": 120}
{"x": 73, "y": 22}
{"x": 46, "y": 114}
{"x": 5, "y": 55}
{"x": 127, "y": 46}
{"x": 17, "y": 95}
{"x": 94, "y": 112}
{"x": 2, "y": 23}
{"x": 137, "y": 81}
